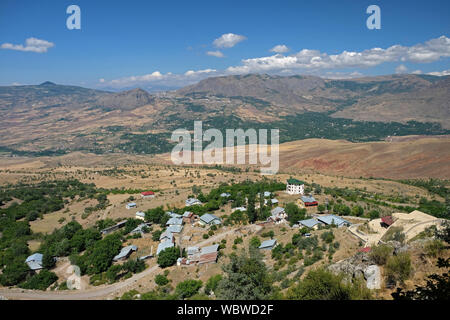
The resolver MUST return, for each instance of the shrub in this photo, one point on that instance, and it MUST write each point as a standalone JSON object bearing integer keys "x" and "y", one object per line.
{"x": 380, "y": 254}
{"x": 434, "y": 247}
{"x": 188, "y": 288}
{"x": 40, "y": 281}
{"x": 399, "y": 268}
{"x": 255, "y": 242}
{"x": 327, "y": 236}
{"x": 168, "y": 257}
{"x": 161, "y": 280}
{"x": 212, "y": 283}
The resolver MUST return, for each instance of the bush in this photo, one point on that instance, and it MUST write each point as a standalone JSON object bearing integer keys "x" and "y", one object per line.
{"x": 321, "y": 284}
{"x": 380, "y": 254}
{"x": 40, "y": 281}
{"x": 255, "y": 242}
{"x": 188, "y": 288}
{"x": 434, "y": 247}
{"x": 156, "y": 234}
{"x": 168, "y": 257}
{"x": 161, "y": 280}
{"x": 212, "y": 283}
{"x": 399, "y": 268}
{"x": 327, "y": 236}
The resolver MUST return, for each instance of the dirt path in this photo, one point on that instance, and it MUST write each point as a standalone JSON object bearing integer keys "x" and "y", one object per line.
{"x": 104, "y": 291}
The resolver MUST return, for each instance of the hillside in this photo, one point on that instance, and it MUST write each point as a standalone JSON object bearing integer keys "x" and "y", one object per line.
{"x": 385, "y": 98}
{"x": 50, "y": 119}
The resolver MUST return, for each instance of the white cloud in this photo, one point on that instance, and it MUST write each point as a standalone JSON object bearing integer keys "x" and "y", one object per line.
{"x": 31, "y": 45}
{"x": 101, "y": 80}
{"x": 228, "y": 40}
{"x": 440, "y": 73}
{"x": 306, "y": 59}
{"x": 401, "y": 69}
{"x": 191, "y": 73}
{"x": 281, "y": 48}
{"x": 217, "y": 54}
{"x": 157, "y": 78}
{"x": 417, "y": 72}
{"x": 333, "y": 66}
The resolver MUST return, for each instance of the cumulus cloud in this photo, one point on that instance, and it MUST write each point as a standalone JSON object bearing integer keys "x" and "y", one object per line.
{"x": 217, "y": 54}
{"x": 31, "y": 45}
{"x": 440, "y": 73}
{"x": 281, "y": 48}
{"x": 228, "y": 40}
{"x": 306, "y": 59}
{"x": 401, "y": 69}
{"x": 158, "y": 78}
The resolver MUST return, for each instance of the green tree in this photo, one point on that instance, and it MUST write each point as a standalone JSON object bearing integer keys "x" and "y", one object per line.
{"x": 188, "y": 288}
{"x": 357, "y": 211}
{"x": 212, "y": 283}
{"x": 161, "y": 280}
{"x": 398, "y": 267}
{"x": 255, "y": 242}
{"x": 168, "y": 257}
{"x": 40, "y": 281}
{"x": 321, "y": 284}
{"x": 294, "y": 213}
{"x": 251, "y": 211}
{"x": 246, "y": 278}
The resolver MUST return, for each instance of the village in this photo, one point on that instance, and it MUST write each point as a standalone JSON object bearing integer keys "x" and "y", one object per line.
{"x": 200, "y": 238}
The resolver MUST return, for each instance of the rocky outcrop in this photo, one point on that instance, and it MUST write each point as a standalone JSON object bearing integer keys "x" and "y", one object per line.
{"x": 372, "y": 274}
{"x": 359, "y": 266}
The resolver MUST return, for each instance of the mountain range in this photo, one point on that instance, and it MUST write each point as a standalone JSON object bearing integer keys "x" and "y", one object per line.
{"x": 46, "y": 118}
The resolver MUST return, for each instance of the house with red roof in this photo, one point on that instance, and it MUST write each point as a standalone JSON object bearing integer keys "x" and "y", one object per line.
{"x": 387, "y": 221}
{"x": 147, "y": 194}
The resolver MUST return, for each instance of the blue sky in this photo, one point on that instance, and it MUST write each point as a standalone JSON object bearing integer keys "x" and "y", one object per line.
{"x": 148, "y": 44}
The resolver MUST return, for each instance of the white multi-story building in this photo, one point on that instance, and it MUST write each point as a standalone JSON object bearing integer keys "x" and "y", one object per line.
{"x": 295, "y": 186}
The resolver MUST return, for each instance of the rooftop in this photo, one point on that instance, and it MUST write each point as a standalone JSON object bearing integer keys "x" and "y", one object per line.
{"x": 277, "y": 211}
{"x": 308, "y": 199}
{"x": 309, "y": 222}
{"x": 175, "y": 221}
{"x": 208, "y": 218}
{"x": 125, "y": 252}
{"x": 175, "y": 228}
{"x": 332, "y": 219}
{"x": 209, "y": 249}
{"x": 268, "y": 243}
{"x": 295, "y": 181}
{"x": 164, "y": 245}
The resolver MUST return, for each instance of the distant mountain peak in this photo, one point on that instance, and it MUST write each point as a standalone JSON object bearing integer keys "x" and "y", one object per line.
{"x": 48, "y": 83}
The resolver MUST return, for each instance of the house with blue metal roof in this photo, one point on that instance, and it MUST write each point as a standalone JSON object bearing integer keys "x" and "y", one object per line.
{"x": 35, "y": 261}
{"x": 131, "y": 205}
{"x": 192, "y": 201}
{"x": 310, "y": 223}
{"x": 268, "y": 244}
{"x": 125, "y": 253}
{"x": 166, "y": 236}
{"x": 174, "y": 221}
{"x": 175, "y": 228}
{"x": 164, "y": 245}
{"x": 173, "y": 214}
{"x": 332, "y": 219}
{"x": 209, "y": 219}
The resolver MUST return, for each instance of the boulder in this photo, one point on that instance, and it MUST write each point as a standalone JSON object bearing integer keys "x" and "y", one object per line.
{"x": 372, "y": 274}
